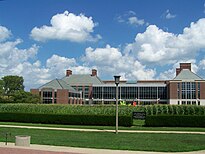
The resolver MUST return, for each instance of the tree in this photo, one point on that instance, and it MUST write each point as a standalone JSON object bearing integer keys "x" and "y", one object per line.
{"x": 12, "y": 84}
{"x": 12, "y": 91}
{"x": 25, "y": 97}
{"x": 1, "y": 88}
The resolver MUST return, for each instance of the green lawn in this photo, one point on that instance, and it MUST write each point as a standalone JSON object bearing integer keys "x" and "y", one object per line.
{"x": 138, "y": 125}
{"x": 106, "y": 140}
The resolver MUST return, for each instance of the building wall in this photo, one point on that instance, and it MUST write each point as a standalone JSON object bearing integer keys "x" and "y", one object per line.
{"x": 202, "y": 90}
{"x": 173, "y": 101}
{"x": 202, "y": 102}
{"x": 35, "y": 91}
{"x": 62, "y": 96}
{"x": 173, "y": 90}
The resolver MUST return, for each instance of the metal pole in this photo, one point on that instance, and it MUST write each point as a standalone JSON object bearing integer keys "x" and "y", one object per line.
{"x": 116, "y": 131}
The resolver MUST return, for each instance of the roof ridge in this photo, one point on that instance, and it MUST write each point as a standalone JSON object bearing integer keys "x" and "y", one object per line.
{"x": 183, "y": 70}
{"x": 45, "y": 84}
{"x": 59, "y": 83}
{"x": 197, "y": 75}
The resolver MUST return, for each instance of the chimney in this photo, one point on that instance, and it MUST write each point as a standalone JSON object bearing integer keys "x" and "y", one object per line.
{"x": 177, "y": 71}
{"x": 94, "y": 72}
{"x": 185, "y": 66}
{"x": 68, "y": 72}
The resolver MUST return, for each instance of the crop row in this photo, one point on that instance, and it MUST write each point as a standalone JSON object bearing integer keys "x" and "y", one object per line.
{"x": 103, "y": 109}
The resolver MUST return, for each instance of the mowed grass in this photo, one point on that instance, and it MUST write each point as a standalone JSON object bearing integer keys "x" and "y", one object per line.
{"x": 107, "y": 140}
{"x": 137, "y": 125}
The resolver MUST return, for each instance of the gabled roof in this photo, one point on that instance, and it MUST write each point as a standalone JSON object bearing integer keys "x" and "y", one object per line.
{"x": 82, "y": 79}
{"x": 186, "y": 74}
{"x": 58, "y": 84}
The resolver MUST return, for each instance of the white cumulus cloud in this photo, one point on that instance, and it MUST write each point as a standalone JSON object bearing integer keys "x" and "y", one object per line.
{"x": 131, "y": 19}
{"x": 136, "y": 21}
{"x": 158, "y": 46}
{"x": 171, "y": 73}
{"x": 110, "y": 60}
{"x": 4, "y": 33}
{"x": 67, "y": 26}
{"x": 168, "y": 15}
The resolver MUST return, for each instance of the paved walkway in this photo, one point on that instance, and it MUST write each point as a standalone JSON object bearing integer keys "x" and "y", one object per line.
{"x": 104, "y": 130}
{"x": 46, "y": 149}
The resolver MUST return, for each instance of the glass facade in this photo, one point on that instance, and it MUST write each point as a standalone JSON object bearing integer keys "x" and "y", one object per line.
{"x": 74, "y": 95}
{"x": 199, "y": 90}
{"x": 188, "y": 90}
{"x": 47, "y": 97}
{"x": 130, "y": 93}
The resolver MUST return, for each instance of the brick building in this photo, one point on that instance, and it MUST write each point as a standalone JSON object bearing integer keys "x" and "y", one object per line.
{"x": 185, "y": 88}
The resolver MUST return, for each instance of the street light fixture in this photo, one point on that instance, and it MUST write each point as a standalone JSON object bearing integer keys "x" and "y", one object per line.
{"x": 117, "y": 81}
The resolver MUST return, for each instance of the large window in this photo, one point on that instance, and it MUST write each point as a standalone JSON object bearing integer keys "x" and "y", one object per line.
{"x": 152, "y": 93}
{"x": 109, "y": 92}
{"x": 86, "y": 91}
{"x": 188, "y": 90}
{"x": 178, "y": 90}
{"x": 47, "y": 97}
{"x": 74, "y": 95}
{"x": 129, "y": 92}
{"x": 97, "y": 92}
{"x": 47, "y": 94}
{"x": 162, "y": 92}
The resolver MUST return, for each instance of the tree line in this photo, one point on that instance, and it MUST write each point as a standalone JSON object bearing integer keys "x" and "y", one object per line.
{"x": 12, "y": 91}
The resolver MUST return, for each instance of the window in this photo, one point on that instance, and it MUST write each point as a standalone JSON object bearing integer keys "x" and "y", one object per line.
{"x": 188, "y": 90}
{"x": 193, "y": 102}
{"x": 199, "y": 89}
{"x": 86, "y": 91}
{"x": 47, "y": 94}
{"x": 188, "y": 102}
{"x": 178, "y": 90}
{"x": 183, "y": 102}
{"x": 47, "y": 97}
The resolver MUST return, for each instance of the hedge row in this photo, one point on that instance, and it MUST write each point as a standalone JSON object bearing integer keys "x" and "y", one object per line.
{"x": 174, "y": 110}
{"x": 68, "y": 109}
{"x": 175, "y": 121}
{"x": 103, "y": 109}
{"x": 103, "y": 120}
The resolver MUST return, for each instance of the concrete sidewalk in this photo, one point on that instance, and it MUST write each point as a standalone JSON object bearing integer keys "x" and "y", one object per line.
{"x": 46, "y": 149}
{"x": 72, "y": 150}
{"x": 104, "y": 130}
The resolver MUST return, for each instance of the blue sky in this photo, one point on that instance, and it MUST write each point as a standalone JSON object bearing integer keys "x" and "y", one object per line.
{"x": 138, "y": 39}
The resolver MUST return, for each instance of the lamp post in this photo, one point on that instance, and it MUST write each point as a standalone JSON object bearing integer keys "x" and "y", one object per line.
{"x": 117, "y": 81}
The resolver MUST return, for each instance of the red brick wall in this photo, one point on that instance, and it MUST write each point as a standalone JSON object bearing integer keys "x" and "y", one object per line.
{"x": 173, "y": 90}
{"x": 62, "y": 96}
{"x": 35, "y": 91}
{"x": 90, "y": 92}
{"x": 202, "y": 90}
{"x": 185, "y": 66}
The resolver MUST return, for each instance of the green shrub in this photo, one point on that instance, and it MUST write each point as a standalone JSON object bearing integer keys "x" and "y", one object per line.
{"x": 104, "y": 120}
{"x": 175, "y": 121}
{"x": 103, "y": 109}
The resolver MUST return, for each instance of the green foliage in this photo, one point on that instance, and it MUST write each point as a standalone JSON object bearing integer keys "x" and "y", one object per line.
{"x": 103, "y": 109}
{"x": 174, "y": 110}
{"x": 25, "y": 97}
{"x": 12, "y": 91}
{"x": 104, "y": 120}
{"x": 12, "y": 84}
{"x": 175, "y": 121}
{"x": 69, "y": 109}
{"x": 1, "y": 87}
